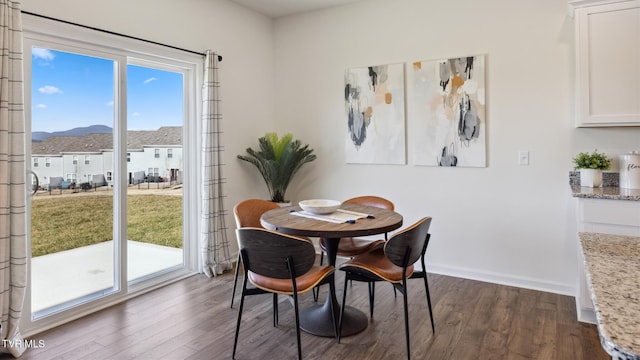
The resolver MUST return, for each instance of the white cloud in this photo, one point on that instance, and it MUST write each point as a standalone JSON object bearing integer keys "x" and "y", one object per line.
{"x": 150, "y": 80}
{"x": 49, "y": 89}
{"x": 41, "y": 106}
{"x": 135, "y": 113}
{"x": 109, "y": 103}
{"x": 44, "y": 54}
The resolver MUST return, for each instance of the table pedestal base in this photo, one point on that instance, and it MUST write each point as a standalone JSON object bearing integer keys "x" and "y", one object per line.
{"x": 317, "y": 320}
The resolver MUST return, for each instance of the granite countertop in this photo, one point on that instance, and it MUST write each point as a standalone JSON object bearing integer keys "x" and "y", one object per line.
{"x": 612, "y": 264}
{"x": 607, "y": 192}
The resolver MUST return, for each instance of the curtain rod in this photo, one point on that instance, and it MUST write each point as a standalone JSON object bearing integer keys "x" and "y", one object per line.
{"x": 115, "y": 33}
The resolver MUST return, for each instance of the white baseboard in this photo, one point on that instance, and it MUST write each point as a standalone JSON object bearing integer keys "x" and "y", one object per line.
{"x": 502, "y": 279}
{"x": 587, "y": 316}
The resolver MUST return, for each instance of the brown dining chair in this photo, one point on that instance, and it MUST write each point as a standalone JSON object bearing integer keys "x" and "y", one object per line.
{"x": 247, "y": 214}
{"x": 280, "y": 264}
{"x": 392, "y": 263}
{"x": 350, "y": 247}
{"x": 417, "y": 274}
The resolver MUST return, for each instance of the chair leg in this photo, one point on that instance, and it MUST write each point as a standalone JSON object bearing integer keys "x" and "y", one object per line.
{"x": 426, "y": 288}
{"x": 275, "y": 309}
{"x": 372, "y": 294}
{"x": 235, "y": 279}
{"x": 332, "y": 289}
{"x": 406, "y": 318}
{"x": 235, "y": 341}
{"x": 295, "y": 305}
{"x": 344, "y": 304}
{"x": 316, "y": 290}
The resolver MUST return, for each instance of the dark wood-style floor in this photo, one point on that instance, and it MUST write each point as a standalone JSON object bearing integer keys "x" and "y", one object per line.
{"x": 191, "y": 319}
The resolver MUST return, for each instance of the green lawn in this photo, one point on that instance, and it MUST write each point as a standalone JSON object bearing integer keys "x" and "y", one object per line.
{"x": 62, "y": 223}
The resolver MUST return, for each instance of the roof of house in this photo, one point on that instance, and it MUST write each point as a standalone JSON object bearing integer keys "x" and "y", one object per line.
{"x": 136, "y": 140}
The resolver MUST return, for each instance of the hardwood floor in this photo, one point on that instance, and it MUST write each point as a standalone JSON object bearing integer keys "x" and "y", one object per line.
{"x": 191, "y": 319}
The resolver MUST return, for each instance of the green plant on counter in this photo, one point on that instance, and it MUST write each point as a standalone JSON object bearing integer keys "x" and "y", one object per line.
{"x": 278, "y": 160}
{"x": 594, "y": 160}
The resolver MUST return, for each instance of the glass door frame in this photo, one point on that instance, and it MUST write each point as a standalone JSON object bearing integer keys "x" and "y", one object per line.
{"x": 60, "y": 36}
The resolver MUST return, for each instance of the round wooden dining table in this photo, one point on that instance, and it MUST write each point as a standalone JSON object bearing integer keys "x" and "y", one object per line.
{"x": 317, "y": 319}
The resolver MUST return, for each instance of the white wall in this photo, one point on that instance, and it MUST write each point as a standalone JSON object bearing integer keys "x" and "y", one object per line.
{"x": 504, "y": 223}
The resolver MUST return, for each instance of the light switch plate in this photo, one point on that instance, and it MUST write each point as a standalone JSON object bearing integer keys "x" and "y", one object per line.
{"x": 523, "y": 157}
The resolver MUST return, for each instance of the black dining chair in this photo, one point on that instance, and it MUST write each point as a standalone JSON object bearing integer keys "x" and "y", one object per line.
{"x": 392, "y": 263}
{"x": 247, "y": 214}
{"x": 280, "y": 264}
{"x": 417, "y": 274}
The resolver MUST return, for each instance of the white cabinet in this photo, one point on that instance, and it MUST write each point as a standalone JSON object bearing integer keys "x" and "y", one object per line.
{"x": 618, "y": 217}
{"x": 607, "y": 62}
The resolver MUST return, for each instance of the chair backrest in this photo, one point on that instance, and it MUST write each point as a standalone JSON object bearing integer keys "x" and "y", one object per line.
{"x": 265, "y": 252}
{"x": 247, "y": 213}
{"x": 413, "y": 238}
{"x": 369, "y": 200}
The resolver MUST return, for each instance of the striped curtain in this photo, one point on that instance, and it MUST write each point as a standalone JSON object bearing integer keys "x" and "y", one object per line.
{"x": 13, "y": 244}
{"x": 213, "y": 240}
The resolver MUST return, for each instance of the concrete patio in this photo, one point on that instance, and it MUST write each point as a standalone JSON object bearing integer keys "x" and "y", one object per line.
{"x": 70, "y": 274}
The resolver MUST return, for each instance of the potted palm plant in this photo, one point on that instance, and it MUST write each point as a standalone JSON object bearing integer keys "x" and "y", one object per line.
{"x": 591, "y": 167}
{"x": 278, "y": 160}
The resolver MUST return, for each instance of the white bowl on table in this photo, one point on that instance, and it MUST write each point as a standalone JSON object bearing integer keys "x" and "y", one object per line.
{"x": 320, "y": 206}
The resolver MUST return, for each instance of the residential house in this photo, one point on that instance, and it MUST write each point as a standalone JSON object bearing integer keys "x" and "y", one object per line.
{"x": 152, "y": 155}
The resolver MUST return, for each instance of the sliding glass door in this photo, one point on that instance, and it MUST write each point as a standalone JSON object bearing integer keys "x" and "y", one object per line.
{"x": 72, "y": 208}
{"x": 108, "y": 215}
{"x": 154, "y": 170}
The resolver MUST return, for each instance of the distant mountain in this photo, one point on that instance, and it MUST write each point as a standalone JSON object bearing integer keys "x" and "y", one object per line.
{"x": 79, "y": 131}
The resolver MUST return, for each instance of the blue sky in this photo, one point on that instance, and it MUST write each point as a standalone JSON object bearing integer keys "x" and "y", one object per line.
{"x": 71, "y": 90}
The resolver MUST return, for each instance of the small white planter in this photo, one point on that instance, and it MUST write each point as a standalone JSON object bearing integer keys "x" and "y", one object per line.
{"x": 591, "y": 177}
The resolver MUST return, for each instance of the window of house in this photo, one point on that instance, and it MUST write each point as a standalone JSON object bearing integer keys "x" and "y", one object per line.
{"x": 109, "y": 176}
{"x": 35, "y": 162}
{"x": 75, "y": 159}
{"x": 87, "y": 160}
{"x": 153, "y": 172}
{"x": 128, "y": 157}
{"x": 47, "y": 162}
{"x": 157, "y": 152}
{"x": 169, "y": 153}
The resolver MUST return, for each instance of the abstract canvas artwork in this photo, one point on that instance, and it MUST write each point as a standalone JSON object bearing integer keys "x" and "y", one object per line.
{"x": 374, "y": 103}
{"x": 446, "y": 109}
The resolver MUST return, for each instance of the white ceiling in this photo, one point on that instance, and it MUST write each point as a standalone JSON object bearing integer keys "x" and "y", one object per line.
{"x": 277, "y": 8}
